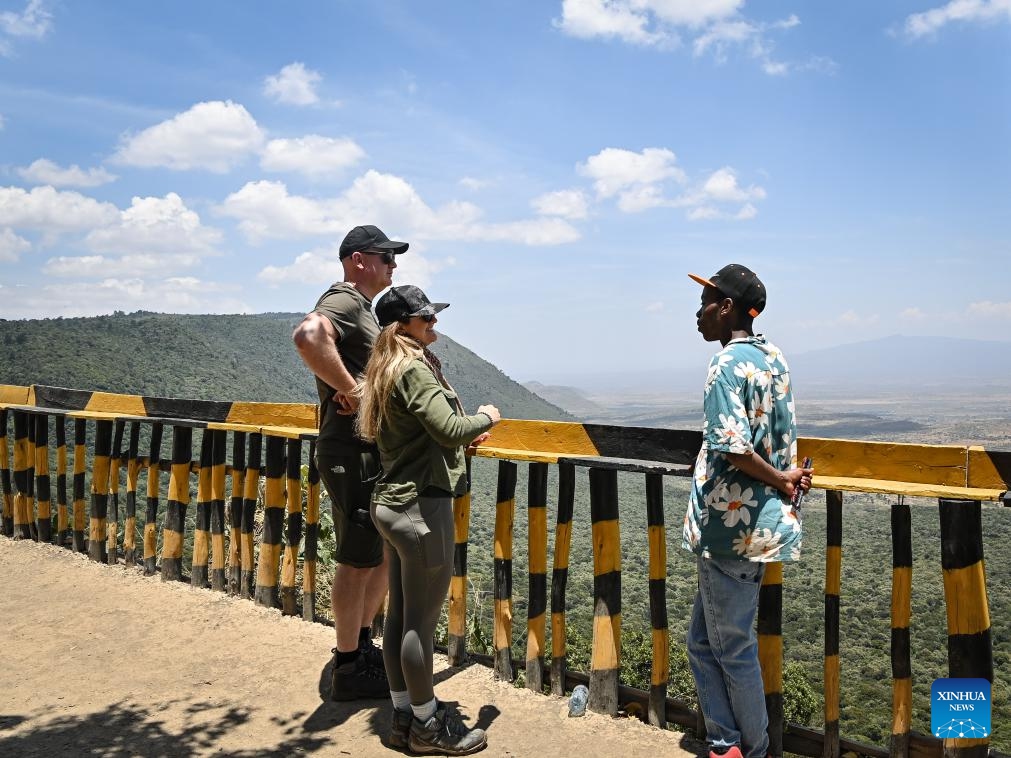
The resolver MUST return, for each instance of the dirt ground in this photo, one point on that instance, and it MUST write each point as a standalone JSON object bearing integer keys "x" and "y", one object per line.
{"x": 102, "y": 661}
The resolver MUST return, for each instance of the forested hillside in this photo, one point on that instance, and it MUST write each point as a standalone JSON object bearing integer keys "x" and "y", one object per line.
{"x": 236, "y": 357}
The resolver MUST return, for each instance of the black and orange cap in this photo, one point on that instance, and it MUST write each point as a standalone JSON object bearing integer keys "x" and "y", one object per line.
{"x": 740, "y": 284}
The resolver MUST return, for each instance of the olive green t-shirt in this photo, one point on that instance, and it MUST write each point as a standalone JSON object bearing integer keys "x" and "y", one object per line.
{"x": 350, "y": 313}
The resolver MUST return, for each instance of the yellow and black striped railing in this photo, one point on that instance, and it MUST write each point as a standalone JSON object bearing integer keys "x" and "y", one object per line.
{"x": 262, "y": 484}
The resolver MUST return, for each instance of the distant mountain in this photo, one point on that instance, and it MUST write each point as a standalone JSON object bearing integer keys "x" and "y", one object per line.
{"x": 571, "y": 399}
{"x": 230, "y": 357}
{"x": 912, "y": 362}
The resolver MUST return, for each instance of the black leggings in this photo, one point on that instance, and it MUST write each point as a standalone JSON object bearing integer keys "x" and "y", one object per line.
{"x": 421, "y": 565}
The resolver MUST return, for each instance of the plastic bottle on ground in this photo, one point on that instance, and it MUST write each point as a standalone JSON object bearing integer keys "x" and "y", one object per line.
{"x": 577, "y": 701}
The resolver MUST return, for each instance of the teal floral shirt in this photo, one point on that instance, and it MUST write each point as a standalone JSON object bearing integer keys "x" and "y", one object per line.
{"x": 748, "y": 408}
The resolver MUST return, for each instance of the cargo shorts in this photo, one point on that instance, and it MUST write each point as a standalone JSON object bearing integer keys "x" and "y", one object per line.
{"x": 349, "y": 480}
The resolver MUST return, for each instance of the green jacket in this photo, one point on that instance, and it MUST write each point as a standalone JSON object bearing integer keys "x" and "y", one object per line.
{"x": 421, "y": 440}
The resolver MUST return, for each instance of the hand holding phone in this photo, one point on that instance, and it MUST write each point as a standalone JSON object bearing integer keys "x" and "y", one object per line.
{"x": 798, "y": 493}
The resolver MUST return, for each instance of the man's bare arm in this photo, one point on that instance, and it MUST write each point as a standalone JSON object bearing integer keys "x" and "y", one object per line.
{"x": 315, "y": 338}
{"x": 758, "y": 468}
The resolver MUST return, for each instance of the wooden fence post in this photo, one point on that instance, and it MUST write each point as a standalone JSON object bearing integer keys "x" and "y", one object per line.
{"x": 219, "y": 440}
{"x": 235, "y": 512}
{"x": 537, "y": 557}
{"x": 151, "y": 512}
{"x": 44, "y": 514}
{"x": 311, "y": 538}
{"x": 606, "y": 657}
{"x": 456, "y": 642}
{"x": 293, "y": 528}
{"x": 250, "y": 491}
{"x": 22, "y": 528}
{"x": 62, "y": 518}
{"x": 112, "y": 523}
{"x": 178, "y": 502}
{"x": 660, "y": 672}
{"x": 200, "y": 571}
{"x": 80, "y": 467}
{"x": 273, "y": 524}
{"x": 970, "y": 647}
{"x": 132, "y": 476}
{"x": 505, "y": 508}
{"x": 902, "y": 585}
{"x": 100, "y": 464}
{"x": 560, "y": 574}
{"x": 5, "y": 478}
{"x": 833, "y": 582}
{"x": 770, "y": 651}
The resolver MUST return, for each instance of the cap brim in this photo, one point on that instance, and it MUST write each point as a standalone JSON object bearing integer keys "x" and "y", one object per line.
{"x": 393, "y": 246}
{"x": 429, "y": 310}
{"x": 704, "y": 282}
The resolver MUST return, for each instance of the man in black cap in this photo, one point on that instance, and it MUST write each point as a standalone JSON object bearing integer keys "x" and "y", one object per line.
{"x": 335, "y": 341}
{"x": 741, "y": 510}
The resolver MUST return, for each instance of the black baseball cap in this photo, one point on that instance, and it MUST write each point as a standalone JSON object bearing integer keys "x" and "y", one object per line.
{"x": 368, "y": 237}
{"x": 740, "y": 284}
{"x": 400, "y": 303}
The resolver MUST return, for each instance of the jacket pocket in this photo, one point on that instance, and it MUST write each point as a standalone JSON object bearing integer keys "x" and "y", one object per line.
{"x": 394, "y": 494}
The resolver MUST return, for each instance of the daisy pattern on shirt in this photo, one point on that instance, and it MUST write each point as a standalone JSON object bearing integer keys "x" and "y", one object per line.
{"x": 734, "y": 502}
{"x": 791, "y": 516}
{"x": 752, "y": 374}
{"x": 732, "y": 433}
{"x": 716, "y": 367}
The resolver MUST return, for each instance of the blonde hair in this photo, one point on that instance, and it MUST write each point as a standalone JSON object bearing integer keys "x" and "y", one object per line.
{"x": 391, "y": 354}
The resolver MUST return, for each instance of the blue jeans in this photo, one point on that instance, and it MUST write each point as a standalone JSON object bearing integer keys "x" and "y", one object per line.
{"x": 723, "y": 654}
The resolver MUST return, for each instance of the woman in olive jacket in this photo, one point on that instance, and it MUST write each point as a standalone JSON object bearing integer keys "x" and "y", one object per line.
{"x": 419, "y": 425}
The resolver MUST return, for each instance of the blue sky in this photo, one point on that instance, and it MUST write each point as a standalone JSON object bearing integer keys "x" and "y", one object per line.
{"x": 558, "y": 167}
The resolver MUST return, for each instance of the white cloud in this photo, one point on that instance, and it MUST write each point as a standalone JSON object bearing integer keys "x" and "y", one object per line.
{"x": 610, "y": 19}
{"x": 988, "y": 309}
{"x": 912, "y": 314}
{"x": 854, "y": 319}
{"x": 472, "y": 184}
{"x": 323, "y": 265}
{"x": 214, "y": 136}
{"x": 715, "y": 26}
{"x": 565, "y": 203}
{"x": 44, "y": 171}
{"x": 49, "y": 210}
{"x": 311, "y": 154}
{"x": 294, "y": 84}
{"x": 266, "y": 210}
{"x": 168, "y": 295}
{"x": 34, "y": 21}
{"x": 638, "y": 181}
{"x": 654, "y": 307}
{"x": 930, "y": 22}
{"x": 722, "y": 186}
{"x": 156, "y": 225}
{"x": 615, "y": 169}
{"x": 11, "y": 245}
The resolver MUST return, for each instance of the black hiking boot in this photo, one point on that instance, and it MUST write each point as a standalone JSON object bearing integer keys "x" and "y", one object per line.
{"x": 357, "y": 680}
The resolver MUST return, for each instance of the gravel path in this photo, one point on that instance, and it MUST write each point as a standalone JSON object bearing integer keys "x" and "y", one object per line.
{"x": 102, "y": 661}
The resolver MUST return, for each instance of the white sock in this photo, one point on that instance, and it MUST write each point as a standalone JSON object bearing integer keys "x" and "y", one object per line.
{"x": 401, "y": 700}
{"x": 425, "y": 711}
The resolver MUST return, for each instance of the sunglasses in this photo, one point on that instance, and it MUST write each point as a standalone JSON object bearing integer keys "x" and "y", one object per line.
{"x": 384, "y": 255}
{"x": 428, "y": 318}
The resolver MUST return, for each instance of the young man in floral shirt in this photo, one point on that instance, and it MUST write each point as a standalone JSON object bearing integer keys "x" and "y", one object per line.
{"x": 740, "y": 512}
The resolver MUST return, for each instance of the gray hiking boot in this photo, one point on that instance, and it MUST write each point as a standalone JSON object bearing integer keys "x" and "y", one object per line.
{"x": 358, "y": 679}
{"x": 400, "y": 728}
{"x": 445, "y": 734}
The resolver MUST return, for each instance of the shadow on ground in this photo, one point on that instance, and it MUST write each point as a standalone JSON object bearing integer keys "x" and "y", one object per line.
{"x": 129, "y": 729}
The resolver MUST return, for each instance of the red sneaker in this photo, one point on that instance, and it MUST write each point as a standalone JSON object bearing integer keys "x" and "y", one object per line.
{"x": 732, "y": 752}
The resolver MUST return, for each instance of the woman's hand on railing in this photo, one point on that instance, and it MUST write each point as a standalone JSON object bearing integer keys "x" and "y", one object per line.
{"x": 477, "y": 441}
